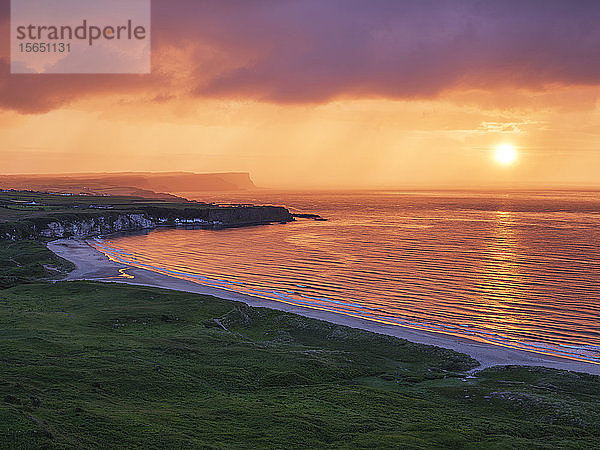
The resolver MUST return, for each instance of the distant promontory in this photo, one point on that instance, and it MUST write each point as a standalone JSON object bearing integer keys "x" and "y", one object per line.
{"x": 143, "y": 184}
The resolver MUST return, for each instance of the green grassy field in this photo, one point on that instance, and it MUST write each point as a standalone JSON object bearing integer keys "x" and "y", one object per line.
{"x": 19, "y": 205}
{"x": 27, "y": 260}
{"x": 88, "y": 364}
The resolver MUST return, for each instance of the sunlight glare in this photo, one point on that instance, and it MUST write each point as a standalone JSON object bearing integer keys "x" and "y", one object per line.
{"x": 505, "y": 154}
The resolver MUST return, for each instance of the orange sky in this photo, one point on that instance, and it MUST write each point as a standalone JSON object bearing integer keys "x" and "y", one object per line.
{"x": 356, "y": 137}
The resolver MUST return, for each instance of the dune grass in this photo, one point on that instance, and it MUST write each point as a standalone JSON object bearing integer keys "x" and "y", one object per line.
{"x": 92, "y": 365}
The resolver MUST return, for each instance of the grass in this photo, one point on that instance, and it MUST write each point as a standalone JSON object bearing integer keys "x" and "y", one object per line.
{"x": 88, "y": 364}
{"x": 27, "y": 260}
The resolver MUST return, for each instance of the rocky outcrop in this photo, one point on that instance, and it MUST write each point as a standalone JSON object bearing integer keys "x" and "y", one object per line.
{"x": 309, "y": 216}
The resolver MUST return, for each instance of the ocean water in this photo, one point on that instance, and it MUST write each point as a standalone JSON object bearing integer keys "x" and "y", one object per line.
{"x": 517, "y": 269}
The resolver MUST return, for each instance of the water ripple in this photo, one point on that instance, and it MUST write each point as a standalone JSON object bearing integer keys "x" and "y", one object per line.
{"x": 519, "y": 270}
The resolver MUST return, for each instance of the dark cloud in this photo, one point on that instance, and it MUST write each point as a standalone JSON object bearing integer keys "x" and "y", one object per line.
{"x": 316, "y": 50}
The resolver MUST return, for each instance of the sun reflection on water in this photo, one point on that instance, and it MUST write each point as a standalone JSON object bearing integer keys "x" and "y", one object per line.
{"x": 498, "y": 270}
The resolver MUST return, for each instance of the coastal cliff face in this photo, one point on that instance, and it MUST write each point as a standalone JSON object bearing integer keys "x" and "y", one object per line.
{"x": 209, "y": 218}
{"x": 97, "y": 225}
{"x": 249, "y": 215}
{"x": 28, "y": 215}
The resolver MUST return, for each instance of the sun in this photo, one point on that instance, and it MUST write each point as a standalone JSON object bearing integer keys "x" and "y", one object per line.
{"x": 505, "y": 154}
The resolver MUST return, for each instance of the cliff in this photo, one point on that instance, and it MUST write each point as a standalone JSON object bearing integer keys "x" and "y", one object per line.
{"x": 82, "y": 225}
{"x": 30, "y": 215}
{"x": 96, "y": 226}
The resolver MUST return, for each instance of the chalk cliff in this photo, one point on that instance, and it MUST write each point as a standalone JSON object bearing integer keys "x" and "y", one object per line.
{"x": 70, "y": 225}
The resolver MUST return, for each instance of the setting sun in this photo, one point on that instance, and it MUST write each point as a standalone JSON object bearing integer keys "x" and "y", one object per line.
{"x": 505, "y": 154}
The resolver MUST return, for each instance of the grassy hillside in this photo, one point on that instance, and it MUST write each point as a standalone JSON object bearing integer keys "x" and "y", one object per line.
{"x": 87, "y": 364}
{"x": 26, "y": 261}
{"x": 23, "y": 205}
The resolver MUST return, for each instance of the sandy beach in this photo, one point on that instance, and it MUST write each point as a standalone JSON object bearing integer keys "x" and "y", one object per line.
{"x": 93, "y": 265}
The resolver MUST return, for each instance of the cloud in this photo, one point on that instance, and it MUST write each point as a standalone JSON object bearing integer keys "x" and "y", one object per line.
{"x": 315, "y": 50}
{"x": 287, "y": 51}
{"x": 35, "y": 93}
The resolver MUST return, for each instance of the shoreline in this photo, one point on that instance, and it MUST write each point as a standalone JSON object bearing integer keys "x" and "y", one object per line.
{"x": 92, "y": 265}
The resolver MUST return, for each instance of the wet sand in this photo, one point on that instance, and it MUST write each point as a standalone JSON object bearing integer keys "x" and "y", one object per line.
{"x": 94, "y": 265}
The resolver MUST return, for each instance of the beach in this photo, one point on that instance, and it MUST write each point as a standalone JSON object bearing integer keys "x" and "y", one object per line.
{"x": 94, "y": 265}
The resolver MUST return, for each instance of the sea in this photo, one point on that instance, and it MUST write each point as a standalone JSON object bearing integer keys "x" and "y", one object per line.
{"x": 520, "y": 269}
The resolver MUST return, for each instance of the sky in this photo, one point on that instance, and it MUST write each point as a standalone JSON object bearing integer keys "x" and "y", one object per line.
{"x": 329, "y": 94}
